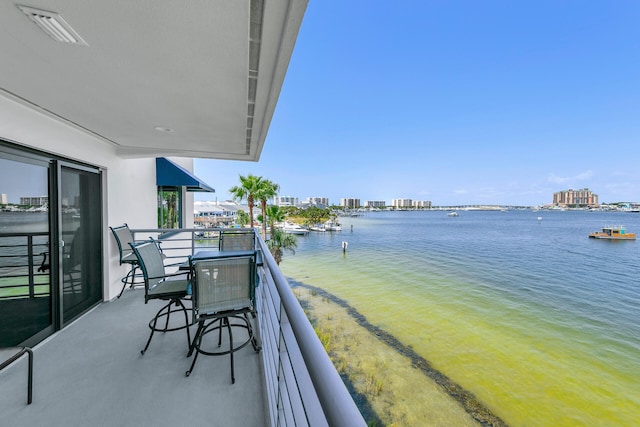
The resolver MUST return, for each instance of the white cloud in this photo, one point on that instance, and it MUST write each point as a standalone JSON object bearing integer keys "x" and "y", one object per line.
{"x": 584, "y": 175}
{"x": 626, "y": 189}
{"x": 563, "y": 180}
{"x": 556, "y": 179}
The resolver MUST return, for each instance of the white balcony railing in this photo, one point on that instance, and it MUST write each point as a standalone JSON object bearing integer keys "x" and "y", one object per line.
{"x": 302, "y": 386}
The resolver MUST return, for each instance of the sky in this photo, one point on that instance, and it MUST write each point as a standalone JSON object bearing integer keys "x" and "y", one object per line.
{"x": 456, "y": 102}
{"x": 16, "y": 188}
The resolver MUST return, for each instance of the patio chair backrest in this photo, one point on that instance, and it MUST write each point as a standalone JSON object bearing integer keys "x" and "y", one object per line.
{"x": 237, "y": 240}
{"x": 151, "y": 263}
{"x": 223, "y": 284}
{"x": 124, "y": 237}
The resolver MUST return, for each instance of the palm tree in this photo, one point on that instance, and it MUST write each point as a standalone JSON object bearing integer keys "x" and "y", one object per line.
{"x": 242, "y": 218}
{"x": 274, "y": 214}
{"x": 168, "y": 212}
{"x": 249, "y": 186}
{"x": 279, "y": 242}
{"x": 266, "y": 189}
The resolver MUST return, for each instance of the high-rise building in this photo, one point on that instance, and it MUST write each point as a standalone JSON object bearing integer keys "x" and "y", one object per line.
{"x": 34, "y": 201}
{"x": 3, "y": 199}
{"x": 375, "y": 204}
{"x": 318, "y": 201}
{"x": 421, "y": 204}
{"x": 578, "y": 198}
{"x": 401, "y": 203}
{"x": 350, "y": 203}
{"x": 285, "y": 201}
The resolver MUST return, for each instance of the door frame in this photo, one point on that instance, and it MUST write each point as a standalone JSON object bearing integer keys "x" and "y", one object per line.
{"x": 58, "y": 165}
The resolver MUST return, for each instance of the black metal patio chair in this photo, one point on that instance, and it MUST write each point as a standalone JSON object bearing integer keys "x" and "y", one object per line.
{"x": 223, "y": 298}
{"x": 158, "y": 284}
{"x": 237, "y": 240}
{"x": 124, "y": 238}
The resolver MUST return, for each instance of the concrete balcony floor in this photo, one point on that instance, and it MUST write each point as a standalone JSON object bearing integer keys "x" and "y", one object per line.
{"x": 92, "y": 374}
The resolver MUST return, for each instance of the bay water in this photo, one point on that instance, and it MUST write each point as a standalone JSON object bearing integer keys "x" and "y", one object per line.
{"x": 538, "y": 321}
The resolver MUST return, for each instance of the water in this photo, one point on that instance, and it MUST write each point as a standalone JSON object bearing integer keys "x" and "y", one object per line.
{"x": 536, "y": 319}
{"x": 14, "y": 249}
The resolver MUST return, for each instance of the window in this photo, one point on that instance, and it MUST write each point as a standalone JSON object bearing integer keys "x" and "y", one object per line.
{"x": 169, "y": 207}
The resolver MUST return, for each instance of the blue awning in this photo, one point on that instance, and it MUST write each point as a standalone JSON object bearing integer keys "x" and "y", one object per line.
{"x": 169, "y": 174}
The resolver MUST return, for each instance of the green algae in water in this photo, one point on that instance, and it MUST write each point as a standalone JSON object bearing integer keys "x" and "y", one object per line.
{"x": 528, "y": 364}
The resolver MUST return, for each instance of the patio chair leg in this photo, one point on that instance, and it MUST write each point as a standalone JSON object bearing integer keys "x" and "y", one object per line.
{"x": 133, "y": 276}
{"x": 197, "y": 341}
{"x": 198, "y": 332}
{"x": 143, "y": 351}
{"x": 153, "y": 326}
{"x": 224, "y": 322}
{"x": 193, "y": 363}
{"x": 125, "y": 280}
{"x": 186, "y": 321}
{"x": 233, "y": 377}
{"x": 166, "y": 323}
{"x": 122, "y": 291}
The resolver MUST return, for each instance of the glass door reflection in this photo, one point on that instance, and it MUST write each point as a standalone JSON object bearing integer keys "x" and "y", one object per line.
{"x": 81, "y": 240}
{"x": 25, "y": 279}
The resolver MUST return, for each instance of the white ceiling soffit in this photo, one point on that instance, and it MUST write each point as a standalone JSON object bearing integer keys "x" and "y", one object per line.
{"x": 196, "y": 78}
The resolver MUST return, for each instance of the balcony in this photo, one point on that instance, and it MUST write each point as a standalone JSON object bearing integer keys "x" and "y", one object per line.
{"x": 92, "y": 373}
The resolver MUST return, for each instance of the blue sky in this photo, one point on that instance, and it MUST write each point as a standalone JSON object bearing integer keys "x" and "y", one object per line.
{"x": 457, "y": 102}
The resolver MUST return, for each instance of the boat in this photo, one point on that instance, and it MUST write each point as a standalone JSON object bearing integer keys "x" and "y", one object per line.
{"x": 613, "y": 232}
{"x": 332, "y": 226}
{"x": 291, "y": 228}
{"x": 454, "y": 213}
{"x": 317, "y": 227}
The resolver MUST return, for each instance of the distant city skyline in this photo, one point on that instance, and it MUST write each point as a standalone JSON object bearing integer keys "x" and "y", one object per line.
{"x": 568, "y": 197}
{"x": 14, "y": 188}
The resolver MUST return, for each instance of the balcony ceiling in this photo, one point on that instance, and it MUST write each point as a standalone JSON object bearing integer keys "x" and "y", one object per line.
{"x": 197, "y": 78}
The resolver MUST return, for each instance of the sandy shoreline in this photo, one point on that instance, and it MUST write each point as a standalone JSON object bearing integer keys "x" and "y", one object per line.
{"x": 391, "y": 383}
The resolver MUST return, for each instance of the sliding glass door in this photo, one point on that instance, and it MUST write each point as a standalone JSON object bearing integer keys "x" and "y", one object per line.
{"x": 50, "y": 243}
{"x": 81, "y": 239}
{"x": 26, "y": 298}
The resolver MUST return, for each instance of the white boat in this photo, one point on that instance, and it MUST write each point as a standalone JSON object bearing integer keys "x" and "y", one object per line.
{"x": 291, "y": 228}
{"x": 454, "y": 213}
{"x": 332, "y": 226}
{"x": 317, "y": 227}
